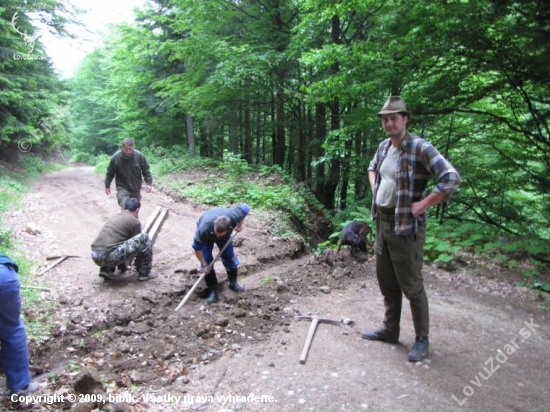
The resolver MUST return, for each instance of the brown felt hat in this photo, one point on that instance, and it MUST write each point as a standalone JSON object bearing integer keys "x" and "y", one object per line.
{"x": 394, "y": 104}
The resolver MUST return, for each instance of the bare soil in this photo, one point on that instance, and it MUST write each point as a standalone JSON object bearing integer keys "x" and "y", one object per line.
{"x": 125, "y": 341}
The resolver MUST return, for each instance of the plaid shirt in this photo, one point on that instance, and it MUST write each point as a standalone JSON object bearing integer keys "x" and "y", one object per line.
{"x": 417, "y": 162}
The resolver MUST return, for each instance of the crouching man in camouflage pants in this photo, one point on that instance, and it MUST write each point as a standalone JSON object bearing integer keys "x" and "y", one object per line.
{"x": 121, "y": 240}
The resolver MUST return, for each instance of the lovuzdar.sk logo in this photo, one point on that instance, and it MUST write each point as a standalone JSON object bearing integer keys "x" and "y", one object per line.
{"x": 29, "y": 41}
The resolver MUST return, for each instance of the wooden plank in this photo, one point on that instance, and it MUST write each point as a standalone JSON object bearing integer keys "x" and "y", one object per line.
{"x": 158, "y": 223}
{"x": 151, "y": 219}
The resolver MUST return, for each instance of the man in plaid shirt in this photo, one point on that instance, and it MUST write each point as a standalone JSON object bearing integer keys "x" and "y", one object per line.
{"x": 398, "y": 175}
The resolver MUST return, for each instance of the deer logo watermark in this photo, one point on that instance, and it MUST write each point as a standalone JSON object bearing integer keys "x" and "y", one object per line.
{"x": 29, "y": 40}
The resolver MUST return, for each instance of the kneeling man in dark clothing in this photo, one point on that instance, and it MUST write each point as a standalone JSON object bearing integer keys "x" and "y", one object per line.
{"x": 121, "y": 240}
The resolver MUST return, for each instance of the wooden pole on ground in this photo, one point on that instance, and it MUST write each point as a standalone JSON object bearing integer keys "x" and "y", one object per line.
{"x": 151, "y": 219}
{"x": 57, "y": 262}
{"x": 155, "y": 229}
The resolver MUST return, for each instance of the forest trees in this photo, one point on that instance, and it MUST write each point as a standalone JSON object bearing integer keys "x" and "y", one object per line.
{"x": 31, "y": 95}
{"x": 296, "y": 84}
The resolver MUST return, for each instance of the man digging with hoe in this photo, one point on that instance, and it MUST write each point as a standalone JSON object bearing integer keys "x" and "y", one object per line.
{"x": 215, "y": 227}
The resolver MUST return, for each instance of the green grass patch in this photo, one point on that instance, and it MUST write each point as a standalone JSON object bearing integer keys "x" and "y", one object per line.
{"x": 445, "y": 242}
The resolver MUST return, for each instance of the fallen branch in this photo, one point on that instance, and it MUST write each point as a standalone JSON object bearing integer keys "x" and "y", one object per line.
{"x": 54, "y": 264}
{"x": 35, "y": 287}
{"x": 66, "y": 256}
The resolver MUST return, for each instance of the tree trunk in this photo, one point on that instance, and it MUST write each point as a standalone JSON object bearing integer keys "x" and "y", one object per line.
{"x": 247, "y": 144}
{"x": 333, "y": 179}
{"x": 301, "y": 158}
{"x": 233, "y": 136}
{"x": 345, "y": 175}
{"x": 320, "y": 135}
{"x": 361, "y": 161}
{"x": 279, "y": 140}
{"x": 190, "y": 135}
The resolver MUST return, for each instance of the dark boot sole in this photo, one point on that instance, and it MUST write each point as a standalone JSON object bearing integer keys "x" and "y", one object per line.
{"x": 379, "y": 338}
{"x": 419, "y": 359}
{"x": 236, "y": 288}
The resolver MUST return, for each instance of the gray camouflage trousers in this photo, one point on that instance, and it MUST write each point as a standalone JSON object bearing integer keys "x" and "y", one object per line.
{"x": 138, "y": 247}
{"x": 122, "y": 195}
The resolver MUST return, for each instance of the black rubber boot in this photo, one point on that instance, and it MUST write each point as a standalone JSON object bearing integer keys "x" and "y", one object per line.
{"x": 212, "y": 283}
{"x": 381, "y": 335}
{"x": 232, "y": 279}
{"x": 213, "y": 297}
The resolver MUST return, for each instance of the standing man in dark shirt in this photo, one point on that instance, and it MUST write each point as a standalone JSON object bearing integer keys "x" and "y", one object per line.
{"x": 121, "y": 240}
{"x": 215, "y": 227}
{"x": 127, "y": 167}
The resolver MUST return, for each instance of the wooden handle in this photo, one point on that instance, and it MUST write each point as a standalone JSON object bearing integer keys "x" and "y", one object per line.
{"x": 57, "y": 262}
{"x": 312, "y": 328}
{"x": 186, "y": 298}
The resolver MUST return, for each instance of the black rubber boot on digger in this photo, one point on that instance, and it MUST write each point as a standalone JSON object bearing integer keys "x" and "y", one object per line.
{"x": 232, "y": 279}
{"x": 213, "y": 297}
{"x": 212, "y": 283}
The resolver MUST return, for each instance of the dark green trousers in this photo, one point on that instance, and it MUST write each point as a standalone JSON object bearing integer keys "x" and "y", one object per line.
{"x": 399, "y": 271}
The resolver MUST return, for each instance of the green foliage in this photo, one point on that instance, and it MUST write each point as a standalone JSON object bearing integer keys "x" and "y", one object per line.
{"x": 84, "y": 157}
{"x": 236, "y": 182}
{"x": 15, "y": 181}
{"x": 444, "y": 243}
{"x": 323, "y": 246}
{"x": 30, "y": 93}
{"x": 235, "y": 165}
{"x": 10, "y": 192}
{"x": 73, "y": 365}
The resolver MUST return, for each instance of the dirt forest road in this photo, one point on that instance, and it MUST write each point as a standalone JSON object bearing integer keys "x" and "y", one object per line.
{"x": 490, "y": 350}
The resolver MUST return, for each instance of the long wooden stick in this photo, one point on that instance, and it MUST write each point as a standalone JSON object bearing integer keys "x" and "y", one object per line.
{"x": 151, "y": 219}
{"x": 57, "y": 257}
{"x": 207, "y": 269}
{"x": 154, "y": 230}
